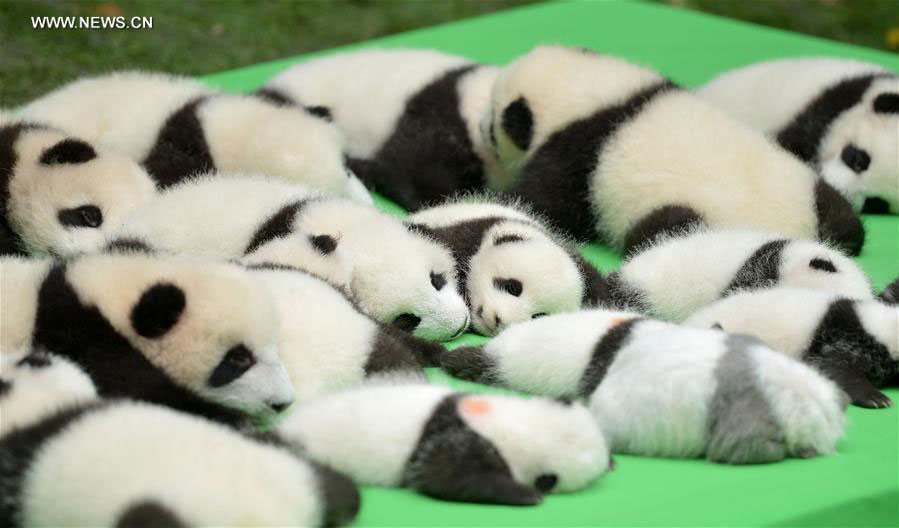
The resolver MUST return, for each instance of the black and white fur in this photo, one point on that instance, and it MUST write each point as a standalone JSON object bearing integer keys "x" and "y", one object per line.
{"x": 60, "y": 194}
{"x": 236, "y": 216}
{"x": 606, "y": 148}
{"x": 136, "y": 464}
{"x": 450, "y": 445}
{"x": 890, "y": 294}
{"x": 511, "y": 266}
{"x": 193, "y": 334}
{"x": 853, "y": 342}
{"x": 676, "y": 276}
{"x": 411, "y": 118}
{"x": 177, "y": 127}
{"x": 840, "y": 116}
{"x": 660, "y": 389}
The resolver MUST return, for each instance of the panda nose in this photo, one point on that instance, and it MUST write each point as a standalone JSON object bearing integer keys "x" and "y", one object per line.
{"x": 279, "y": 406}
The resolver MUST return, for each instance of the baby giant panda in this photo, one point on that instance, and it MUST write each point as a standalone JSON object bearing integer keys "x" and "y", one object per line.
{"x": 177, "y": 127}
{"x": 450, "y": 445}
{"x": 840, "y": 116}
{"x": 137, "y": 464}
{"x": 196, "y": 335}
{"x": 603, "y": 147}
{"x": 658, "y": 389}
{"x": 59, "y": 194}
{"x": 227, "y": 216}
{"x": 411, "y": 118}
{"x": 510, "y": 266}
{"x": 679, "y": 275}
{"x": 326, "y": 344}
{"x": 855, "y": 343}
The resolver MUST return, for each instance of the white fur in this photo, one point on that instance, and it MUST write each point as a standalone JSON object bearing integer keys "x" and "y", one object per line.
{"x": 392, "y": 267}
{"x": 551, "y": 281}
{"x": 677, "y": 150}
{"x": 20, "y": 281}
{"x": 787, "y": 318}
{"x": 126, "y": 111}
{"x": 769, "y": 95}
{"x": 217, "y": 215}
{"x": 391, "y": 419}
{"x": 680, "y": 275}
{"x": 111, "y": 182}
{"x": 37, "y": 392}
{"x": 201, "y": 472}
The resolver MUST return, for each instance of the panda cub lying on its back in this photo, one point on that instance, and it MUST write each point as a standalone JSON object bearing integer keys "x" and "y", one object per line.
{"x": 60, "y": 194}
{"x": 511, "y": 267}
{"x": 137, "y": 464}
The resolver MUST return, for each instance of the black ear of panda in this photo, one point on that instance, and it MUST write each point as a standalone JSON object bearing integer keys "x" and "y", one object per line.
{"x": 887, "y": 103}
{"x": 68, "y": 151}
{"x": 507, "y": 239}
{"x": 148, "y": 514}
{"x": 158, "y": 309}
{"x": 518, "y": 122}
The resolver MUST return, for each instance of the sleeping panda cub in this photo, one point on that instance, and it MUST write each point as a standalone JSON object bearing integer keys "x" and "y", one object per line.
{"x": 679, "y": 275}
{"x": 327, "y": 344}
{"x": 193, "y": 334}
{"x": 451, "y": 445}
{"x": 659, "y": 389}
{"x": 853, "y": 342}
{"x": 840, "y": 116}
{"x": 411, "y": 118}
{"x": 59, "y": 194}
{"x": 229, "y": 216}
{"x": 177, "y": 127}
{"x": 510, "y": 266}
{"x": 603, "y": 147}
{"x": 143, "y": 465}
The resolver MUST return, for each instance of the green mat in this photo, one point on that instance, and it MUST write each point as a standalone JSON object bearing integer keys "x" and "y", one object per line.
{"x": 858, "y": 487}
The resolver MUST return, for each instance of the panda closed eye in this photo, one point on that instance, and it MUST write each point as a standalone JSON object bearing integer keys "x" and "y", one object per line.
{"x": 511, "y": 286}
{"x": 855, "y": 158}
{"x": 237, "y": 360}
{"x": 821, "y": 264}
{"x": 538, "y": 315}
{"x": 84, "y": 216}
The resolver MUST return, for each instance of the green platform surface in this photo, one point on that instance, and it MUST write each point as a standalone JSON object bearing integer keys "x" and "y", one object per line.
{"x": 857, "y": 487}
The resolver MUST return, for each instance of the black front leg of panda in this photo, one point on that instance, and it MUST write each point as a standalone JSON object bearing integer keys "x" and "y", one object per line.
{"x": 860, "y": 390}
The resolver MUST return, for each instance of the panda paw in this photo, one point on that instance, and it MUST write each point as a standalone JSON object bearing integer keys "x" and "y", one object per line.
{"x": 467, "y": 363}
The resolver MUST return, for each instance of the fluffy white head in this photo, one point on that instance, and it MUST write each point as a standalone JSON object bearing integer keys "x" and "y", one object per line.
{"x": 859, "y": 155}
{"x": 206, "y": 324}
{"x": 565, "y": 452}
{"x": 36, "y": 385}
{"x": 399, "y": 277}
{"x": 66, "y": 196}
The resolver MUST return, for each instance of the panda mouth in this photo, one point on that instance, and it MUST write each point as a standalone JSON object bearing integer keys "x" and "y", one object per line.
{"x": 462, "y": 328}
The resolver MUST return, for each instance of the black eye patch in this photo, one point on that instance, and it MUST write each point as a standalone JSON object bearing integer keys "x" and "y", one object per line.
{"x": 887, "y": 103}
{"x": 438, "y": 280}
{"x": 855, "y": 158}
{"x": 68, "y": 151}
{"x": 518, "y": 122}
{"x": 158, "y": 309}
{"x": 84, "y": 216}
{"x": 321, "y": 112}
{"x": 325, "y": 244}
{"x": 511, "y": 286}
{"x": 538, "y": 315}
{"x": 237, "y": 360}
{"x": 546, "y": 482}
{"x": 36, "y": 360}
{"x": 406, "y": 322}
{"x": 5, "y": 386}
{"x": 506, "y": 239}
{"x": 822, "y": 265}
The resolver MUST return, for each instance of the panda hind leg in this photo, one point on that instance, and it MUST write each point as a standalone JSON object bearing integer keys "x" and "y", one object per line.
{"x": 666, "y": 220}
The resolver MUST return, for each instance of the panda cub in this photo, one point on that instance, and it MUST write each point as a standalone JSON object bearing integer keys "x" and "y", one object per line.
{"x": 227, "y": 216}
{"x": 679, "y": 275}
{"x": 176, "y": 127}
{"x": 853, "y": 342}
{"x": 327, "y": 344}
{"x": 510, "y": 266}
{"x": 451, "y": 445}
{"x": 411, "y": 118}
{"x": 659, "y": 389}
{"x": 143, "y": 465}
{"x": 196, "y": 335}
{"x": 840, "y": 116}
{"x": 59, "y": 194}
{"x": 603, "y": 147}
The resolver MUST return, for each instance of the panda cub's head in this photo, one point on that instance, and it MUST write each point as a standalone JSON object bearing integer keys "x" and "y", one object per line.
{"x": 859, "y": 155}
{"x": 37, "y": 384}
{"x": 66, "y": 195}
{"x": 812, "y": 265}
{"x": 520, "y": 273}
{"x": 206, "y": 324}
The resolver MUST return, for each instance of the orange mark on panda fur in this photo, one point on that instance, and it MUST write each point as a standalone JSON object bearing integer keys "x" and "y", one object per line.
{"x": 618, "y": 320}
{"x": 475, "y": 406}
